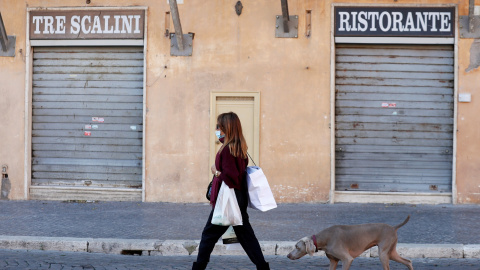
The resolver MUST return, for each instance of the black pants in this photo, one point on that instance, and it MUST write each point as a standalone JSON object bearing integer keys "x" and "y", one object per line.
{"x": 211, "y": 233}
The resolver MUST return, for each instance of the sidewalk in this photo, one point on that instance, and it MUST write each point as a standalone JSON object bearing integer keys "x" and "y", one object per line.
{"x": 437, "y": 231}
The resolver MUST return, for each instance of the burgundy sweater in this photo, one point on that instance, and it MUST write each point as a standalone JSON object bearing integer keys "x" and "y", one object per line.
{"x": 232, "y": 172}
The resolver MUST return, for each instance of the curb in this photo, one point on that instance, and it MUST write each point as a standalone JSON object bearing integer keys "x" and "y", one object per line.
{"x": 155, "y": 247}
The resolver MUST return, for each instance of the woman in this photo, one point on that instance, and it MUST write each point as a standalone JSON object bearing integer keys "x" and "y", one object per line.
{"x": 230, "y": 164}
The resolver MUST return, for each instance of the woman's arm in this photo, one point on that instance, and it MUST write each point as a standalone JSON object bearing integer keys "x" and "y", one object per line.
{"x": 229, "y": 172}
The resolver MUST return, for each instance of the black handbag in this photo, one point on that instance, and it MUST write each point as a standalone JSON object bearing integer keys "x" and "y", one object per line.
{"x": 209, "y": 190}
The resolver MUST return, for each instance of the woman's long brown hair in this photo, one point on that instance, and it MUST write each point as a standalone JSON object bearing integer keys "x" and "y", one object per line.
{"x": 230, "y": 124}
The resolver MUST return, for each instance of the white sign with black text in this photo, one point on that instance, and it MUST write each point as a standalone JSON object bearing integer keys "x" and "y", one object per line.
{"x": 394, "y": 21}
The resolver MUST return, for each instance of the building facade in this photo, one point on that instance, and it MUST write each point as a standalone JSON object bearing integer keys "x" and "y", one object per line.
{"x": 340, "y": 101}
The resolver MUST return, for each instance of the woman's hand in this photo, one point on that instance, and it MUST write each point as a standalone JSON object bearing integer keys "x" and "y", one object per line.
{"x": 215, "y": 172}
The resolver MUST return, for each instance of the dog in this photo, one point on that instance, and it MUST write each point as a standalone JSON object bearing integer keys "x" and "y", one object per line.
{"x": 346, "y": 242}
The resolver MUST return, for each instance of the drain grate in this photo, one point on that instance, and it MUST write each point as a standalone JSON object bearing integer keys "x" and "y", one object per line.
{"x": 132, "y": 252}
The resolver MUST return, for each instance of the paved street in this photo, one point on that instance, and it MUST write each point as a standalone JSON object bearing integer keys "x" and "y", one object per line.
{"x": 429, "y": 224}
{"x": 68, "y": 260}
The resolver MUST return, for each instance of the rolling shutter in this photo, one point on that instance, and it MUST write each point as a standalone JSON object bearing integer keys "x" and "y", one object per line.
{"x": 87, "y": 120}
{"x": 394, "y": 118}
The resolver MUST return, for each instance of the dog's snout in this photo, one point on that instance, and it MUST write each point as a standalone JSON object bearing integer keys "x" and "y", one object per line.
{"x": 291, "y": 256}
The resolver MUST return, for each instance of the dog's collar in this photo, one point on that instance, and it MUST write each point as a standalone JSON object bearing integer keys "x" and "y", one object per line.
{"x": 314, "y": 238}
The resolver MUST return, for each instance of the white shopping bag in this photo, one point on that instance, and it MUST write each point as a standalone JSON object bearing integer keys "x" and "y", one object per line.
{"x": 229, "y": 238}
{"x": 226, "y": 210}
{"x": 259, "y": 192}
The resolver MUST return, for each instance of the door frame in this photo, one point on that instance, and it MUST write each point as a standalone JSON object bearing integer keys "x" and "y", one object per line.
{"x": 256, "y": 121}
{"x": 29, "y": 88}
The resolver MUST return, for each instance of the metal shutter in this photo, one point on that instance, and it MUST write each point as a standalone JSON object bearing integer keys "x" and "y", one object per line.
{"x": 394, "y": 118}
{"x": 87, "y": 117}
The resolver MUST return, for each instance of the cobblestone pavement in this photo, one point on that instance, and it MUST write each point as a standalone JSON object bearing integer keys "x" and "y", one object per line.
{"x": 24, "y": 260}
{"x": 429, "y": 224}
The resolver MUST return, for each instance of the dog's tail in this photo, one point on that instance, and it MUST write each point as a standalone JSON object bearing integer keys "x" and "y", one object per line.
{"x": 403, "y": 223}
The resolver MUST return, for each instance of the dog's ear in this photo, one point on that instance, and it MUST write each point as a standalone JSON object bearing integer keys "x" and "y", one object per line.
{"x": 309, "y": 246}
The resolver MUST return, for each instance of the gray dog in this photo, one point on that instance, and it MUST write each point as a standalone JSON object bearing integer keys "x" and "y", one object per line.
{"x": 346, "y": 242}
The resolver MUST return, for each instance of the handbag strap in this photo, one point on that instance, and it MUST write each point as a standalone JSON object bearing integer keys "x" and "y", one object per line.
{"x": 251, "y": 159}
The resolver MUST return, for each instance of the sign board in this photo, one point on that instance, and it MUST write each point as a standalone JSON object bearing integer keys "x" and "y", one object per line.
{"x": 87, "y": 24}
{"x": 394, "y": 21}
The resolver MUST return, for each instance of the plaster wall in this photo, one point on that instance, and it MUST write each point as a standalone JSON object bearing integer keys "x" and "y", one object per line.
{"x": 468, "y": 148}
{"x": 241, "y": 53}
{"x": 468, "y": 132}
{"x": 12, "y": 98}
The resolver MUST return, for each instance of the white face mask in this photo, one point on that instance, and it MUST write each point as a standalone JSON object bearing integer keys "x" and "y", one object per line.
{"x": 217, "y": 133}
